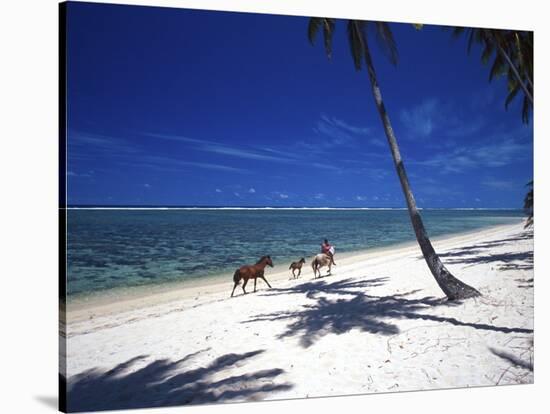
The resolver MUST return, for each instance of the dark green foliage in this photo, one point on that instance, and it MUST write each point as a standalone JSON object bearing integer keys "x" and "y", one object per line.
{"x": 513, "y": 57}
{"x": 328, "y": 29}
{"x": 357, "y": 37}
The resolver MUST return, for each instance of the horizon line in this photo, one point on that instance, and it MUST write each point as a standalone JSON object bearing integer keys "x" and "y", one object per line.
{"x": 187, "y": 207}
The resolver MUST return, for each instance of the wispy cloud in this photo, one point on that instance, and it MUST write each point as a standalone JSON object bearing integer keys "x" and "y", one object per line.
{"x": 90, "y": 146}
{"x": 251, "y": 190}
{"x": 249, "y": 153}
{"x": 496, "y": 154}
{"x": 81, "y": 175}
{"x": 278, "y": 195}
{"x": 432, "y": 116}
{"x": 421, "y": 120}
{"x": 163, "y": 163}
{"x": 264, "y": 154}
{"x": 500, "y": 184}
{"x": 100, "y": 143}
{"x": 332, "y": 133}
{"x": 330, "y": 122}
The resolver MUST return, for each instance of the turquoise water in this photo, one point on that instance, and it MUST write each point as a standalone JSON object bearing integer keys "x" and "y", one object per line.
{"x": 109, "y": 249}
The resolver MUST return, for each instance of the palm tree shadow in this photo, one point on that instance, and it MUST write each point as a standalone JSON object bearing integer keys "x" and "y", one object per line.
{"x": 162, "y": 383}
{"x": 474, "y": 254}
{"x": 312, "y": 288}
{"x": 373, "y": 314}
{"x": 513, "y": 359}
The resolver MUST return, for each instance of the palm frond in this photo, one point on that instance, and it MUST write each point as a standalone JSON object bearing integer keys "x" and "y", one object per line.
{"x": 315, "y": 23}
{"x": 499, "y": 67}
{"x": 356, "y": 37}
{"x": 313, "y": 28}
{"x": 471, "y": 40}
{"x": 457, "y": 31}
{"x": 328, "y": 30}
{"x": 512, "y": 94}
{"x": 525, "y": 110}
{"x": 386, "y": 41}
{"x": 487, "y": 52}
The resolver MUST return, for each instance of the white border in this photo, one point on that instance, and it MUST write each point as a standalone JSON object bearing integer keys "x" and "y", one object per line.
{"x": 28, "y": 76}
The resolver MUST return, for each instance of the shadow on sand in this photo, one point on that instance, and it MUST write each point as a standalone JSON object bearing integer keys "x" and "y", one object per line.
{"x": 513, "y": 360}
{"x": 475, "y": 254}
{"x": 158, "y": 384}
{"x": 361, "y": 311}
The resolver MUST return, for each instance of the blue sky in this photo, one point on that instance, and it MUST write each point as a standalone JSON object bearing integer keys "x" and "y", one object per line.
{"x": 181, "y": 107}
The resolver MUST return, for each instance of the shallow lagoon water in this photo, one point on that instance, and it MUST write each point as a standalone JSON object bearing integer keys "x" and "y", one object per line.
{"x": 125, "y": 248}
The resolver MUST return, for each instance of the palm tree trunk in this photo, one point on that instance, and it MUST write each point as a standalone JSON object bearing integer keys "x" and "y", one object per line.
{"x": 451, "y": 286}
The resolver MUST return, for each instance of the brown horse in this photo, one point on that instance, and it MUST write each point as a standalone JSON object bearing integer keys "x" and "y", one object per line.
{"x": 251, "y": 272}
{"x": 297, "y": 266}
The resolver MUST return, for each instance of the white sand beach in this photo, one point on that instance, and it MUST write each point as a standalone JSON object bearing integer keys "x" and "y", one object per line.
{"x": 379, "y": 323}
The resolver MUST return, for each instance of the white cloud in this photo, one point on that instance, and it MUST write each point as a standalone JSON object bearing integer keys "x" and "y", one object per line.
{"x": 500, "y": 184}
{"x": 334, "y": 132}
{"x": 421, "y": 120}
{"x": 147, "y": 185}
{"x": 319, "y": 196}
{"x": 236, "y": 194}
{"x": 218, "y": 190}
{"x": 283, "y": 196}
{"x": 492, "y": 155}
{"x": 360, "y": 198}
{"x": 251, "y": 190}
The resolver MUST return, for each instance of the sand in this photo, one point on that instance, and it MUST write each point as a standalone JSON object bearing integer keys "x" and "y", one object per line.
{"x": 379, "y": 323}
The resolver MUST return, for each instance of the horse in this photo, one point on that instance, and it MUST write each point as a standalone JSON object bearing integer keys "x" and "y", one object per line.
{"x": 251, "y": 272}
{"x": 320, "y": 261}
{"x": 297, "y": 265}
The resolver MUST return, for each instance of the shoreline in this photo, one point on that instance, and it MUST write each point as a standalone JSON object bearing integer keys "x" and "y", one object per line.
{"x": 213, "y": 288}
{"x": 379, "y": 323}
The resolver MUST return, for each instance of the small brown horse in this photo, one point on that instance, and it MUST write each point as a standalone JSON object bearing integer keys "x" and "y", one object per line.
{"x": 251, "y": 272}
{"x": 297, "y": 266}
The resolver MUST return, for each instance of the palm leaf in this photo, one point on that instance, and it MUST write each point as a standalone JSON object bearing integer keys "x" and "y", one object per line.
{"x": 471, "y": 39}
{"x": 487, "y": 52}
{"x": 511, "y": 95}
{"x": 328, "y": 30}
{"x": 386, "y": 41}
{"x": 457, "y": 31}
{"x": 525, "y": 110}
{"x": 313, "y": 28}
{"x": 499, "y": 67}
{"x": 356, "y": 37}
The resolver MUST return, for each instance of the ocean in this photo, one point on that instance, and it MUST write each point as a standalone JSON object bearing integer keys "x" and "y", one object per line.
{"x": 110, "y": 249}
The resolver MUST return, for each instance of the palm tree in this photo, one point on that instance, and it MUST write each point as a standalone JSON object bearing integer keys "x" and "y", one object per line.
{"x": 513, "y": 51}
{"x": 453, "y": 288}
{"x": 514, "y": 58}
{"x": 528, "y": 204}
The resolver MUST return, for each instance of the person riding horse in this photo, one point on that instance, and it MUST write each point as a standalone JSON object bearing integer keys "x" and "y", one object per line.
{"x": 328, "y": 249}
